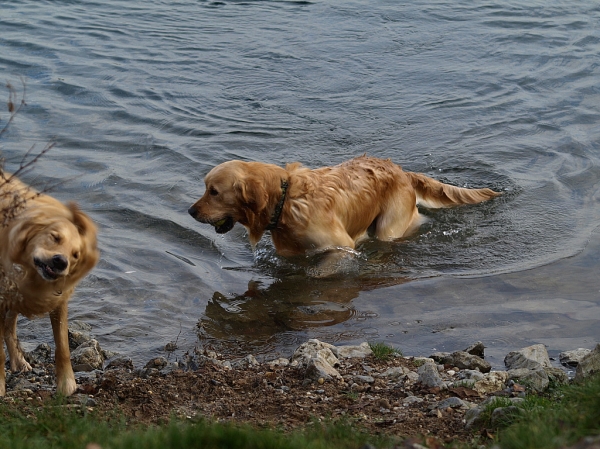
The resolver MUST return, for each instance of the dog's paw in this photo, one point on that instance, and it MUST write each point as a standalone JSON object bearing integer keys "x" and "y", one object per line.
{"x": 66, "y": 386}
{"x": 19, "y": 365}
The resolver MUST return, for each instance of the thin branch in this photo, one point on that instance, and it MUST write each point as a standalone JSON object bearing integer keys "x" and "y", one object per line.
{"x": 12, "y": 100}
{"x": 25, "y": 165}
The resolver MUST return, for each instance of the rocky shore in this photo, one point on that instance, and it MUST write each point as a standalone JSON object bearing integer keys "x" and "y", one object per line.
{"x": 436, "y": 399}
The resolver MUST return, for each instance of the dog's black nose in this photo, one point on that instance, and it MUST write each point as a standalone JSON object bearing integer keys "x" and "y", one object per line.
{"x": 59, "y": 262}
{"x": 192, "y": 211}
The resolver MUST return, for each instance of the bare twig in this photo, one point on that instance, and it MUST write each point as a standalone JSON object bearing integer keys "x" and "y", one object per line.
{"x": 12, "y": 100}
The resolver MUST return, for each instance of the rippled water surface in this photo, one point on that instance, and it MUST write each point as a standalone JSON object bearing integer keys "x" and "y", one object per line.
{"x": 142, "y": 99}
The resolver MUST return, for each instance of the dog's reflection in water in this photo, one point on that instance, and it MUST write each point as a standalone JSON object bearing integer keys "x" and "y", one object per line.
{"x": 290, "y": 305}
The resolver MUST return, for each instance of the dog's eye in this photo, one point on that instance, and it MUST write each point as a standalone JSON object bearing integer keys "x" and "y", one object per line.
{"x": 213, "y": 192}
{"x": 56, "y": 237}
{"x": 76, "y": 255}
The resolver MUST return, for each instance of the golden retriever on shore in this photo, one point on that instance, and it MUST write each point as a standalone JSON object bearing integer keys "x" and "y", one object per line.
{"x": 326, "y": 208}
{"x": 46, "y": 248}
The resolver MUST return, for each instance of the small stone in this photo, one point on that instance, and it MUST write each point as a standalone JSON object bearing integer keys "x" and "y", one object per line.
{"x": 466, "y": 383}
{"x": 171, "y": 346}
{"x": 470, "y": 374}
{"x": 411, "y": 400}
{"x": 393, "y": 373}
{"x": 22, "y": 385}
{"x": 477, "y": 349}
{"x": 493, "y": 381}
{"x": 318, "y": 367}
{"x": 280, "y": 362}
{"x": 364, "y": 379}
{"x": 418, "y": 361}
{"x": 500, "y": 415}
{"x": 384, "y": 403}
{"x": 411, "y": 376}
{"x": 40, "y": 355}
{"x": 536, "y": 378}
{"x": 157, "y": 363}
{"x": 171, "y": 366}
{"x": 247, "y": 362}
{"x": 89, "y": 353}
{"x": 557, "y": 375}
{"x": 451, "y": 402}
{"x": 439, "y": 357}
{"x": 120, "y": 362}
{"x": 83, "y": 367}
{"x": 79, "y": 333}
{"x": 429, "y": 376}
{"x": 464, "y": 360}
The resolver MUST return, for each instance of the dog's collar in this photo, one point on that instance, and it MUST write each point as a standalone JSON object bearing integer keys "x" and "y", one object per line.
{"x": 277, "y": 213}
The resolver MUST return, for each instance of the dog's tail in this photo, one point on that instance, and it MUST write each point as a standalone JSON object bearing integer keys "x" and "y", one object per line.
{"x": 434, "y": 194}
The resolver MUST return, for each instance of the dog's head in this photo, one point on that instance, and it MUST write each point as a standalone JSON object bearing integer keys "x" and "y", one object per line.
{"x": 54, "y": 242}
{"x": 238, "y": 191}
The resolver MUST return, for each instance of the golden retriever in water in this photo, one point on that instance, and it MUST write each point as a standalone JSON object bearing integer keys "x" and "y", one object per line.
{"x": 46, "y": 248}
{"x": 326, "y": 208}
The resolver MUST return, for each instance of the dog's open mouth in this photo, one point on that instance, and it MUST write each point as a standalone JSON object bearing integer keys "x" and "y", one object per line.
{"x": 223, "y": 225}
{"x": 45, "y": 270}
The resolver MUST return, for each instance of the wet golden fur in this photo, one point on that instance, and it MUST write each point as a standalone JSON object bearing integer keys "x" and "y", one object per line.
{"x": 46, "y": 248}
{"x": 327, "y": 207}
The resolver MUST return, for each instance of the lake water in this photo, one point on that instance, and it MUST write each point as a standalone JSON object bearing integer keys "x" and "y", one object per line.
{"x": 142, "y": 99}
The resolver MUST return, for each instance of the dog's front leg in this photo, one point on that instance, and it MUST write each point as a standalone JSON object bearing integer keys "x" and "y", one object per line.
{"x": 65, "y": 379}
{"x": 334, "y": 261}
{"x": 15, "y": 353}
{"x": 2, "y": 356}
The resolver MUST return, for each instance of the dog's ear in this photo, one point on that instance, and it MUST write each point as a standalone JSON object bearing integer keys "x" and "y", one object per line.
{"x": 87, "y": 230}
{"x": 20, "y": 236}
{"x": 251, "y": 193}
{"x": 84, "y": 224}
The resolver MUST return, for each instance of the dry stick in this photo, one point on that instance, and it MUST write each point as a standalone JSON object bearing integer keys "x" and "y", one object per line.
{"x": 12, "y": 98}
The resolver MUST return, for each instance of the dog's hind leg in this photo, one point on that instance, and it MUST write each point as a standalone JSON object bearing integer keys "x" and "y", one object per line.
{"x": 15, "y": 353}
{"x": 399, "y": 218}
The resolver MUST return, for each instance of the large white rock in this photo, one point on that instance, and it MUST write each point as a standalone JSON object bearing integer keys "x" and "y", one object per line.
{"x": 313, "y": 348}
{"x": 572, "y": 358}
{"x": 530, "y": 357}
{"x": 492, "y": 381}
{"x": 589, "y": 365}
{"x": 349, "y": 352}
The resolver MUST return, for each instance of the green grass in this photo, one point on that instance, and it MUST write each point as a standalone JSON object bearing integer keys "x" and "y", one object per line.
{"x": 558, "y": 419}
{"x": 384, "y": 352}
{"x": 57, "y": 426}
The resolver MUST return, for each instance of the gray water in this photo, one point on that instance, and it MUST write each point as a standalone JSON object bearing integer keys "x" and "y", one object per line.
{"x": 142, "y": 99}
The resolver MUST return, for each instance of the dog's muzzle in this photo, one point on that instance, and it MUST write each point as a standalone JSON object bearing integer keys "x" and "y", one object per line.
{"x": 52, "y": 268}
{"x": 221, "y": 225}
